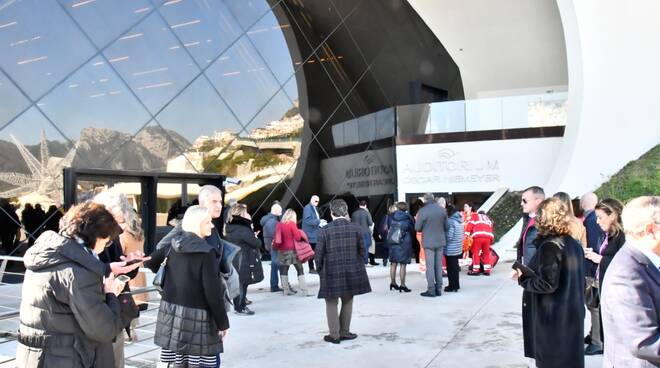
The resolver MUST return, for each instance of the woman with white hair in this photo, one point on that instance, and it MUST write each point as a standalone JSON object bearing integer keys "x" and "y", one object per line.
{"x": 192, "y": 320}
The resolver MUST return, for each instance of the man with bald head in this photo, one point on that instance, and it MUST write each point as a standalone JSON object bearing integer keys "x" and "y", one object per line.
{"x": 268, "y": 225}
{"x": 595, "y": 237}
{"x": 311, "y": 222}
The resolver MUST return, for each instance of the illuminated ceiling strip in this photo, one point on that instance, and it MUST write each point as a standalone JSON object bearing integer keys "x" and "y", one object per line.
{"x": 223, "y": 58}
{"x": 134, "y": 35}
{"x": 98, "y": 63}
{"x": 282, "y": 26}
{"x": 189, "y": 44}
{"x": 185, "y": 24}
{"x": 175, "y": 47}
{"x": 230, "y": 74}
{"x": 18, "y": 43}
{"x": 260, "y": 30}
{"x": 97, "y": 95}
{"x": 155, "y": 85}
{"x": 141, "y": 10}
{"x": 103, "y": 80}
{"x": 82, "y": 3}
{"x": 150, "y": 71}
{"x": 114, "y": 92}
{"x": 8, "y": 24}
{"x": 118, "y": 59}
{"x": 36, "y": 38}
{"x": 255, "y": 70}
{"x": 28, "y": 61}
{"x": 172, "y": 2}
{"x": 73, "y": 85}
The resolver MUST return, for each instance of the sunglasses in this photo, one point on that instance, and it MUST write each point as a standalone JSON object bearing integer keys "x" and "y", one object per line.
{"x": 524, "y": 201}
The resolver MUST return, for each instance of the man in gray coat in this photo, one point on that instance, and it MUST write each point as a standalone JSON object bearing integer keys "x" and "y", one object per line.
{"x": 630, "y": 298}
{"x": 268, "y": 225}
{"x": 432, "y": 222}
{"x": 362, "y": 218}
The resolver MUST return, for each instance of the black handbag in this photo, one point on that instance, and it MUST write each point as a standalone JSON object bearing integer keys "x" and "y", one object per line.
{"x": 591, "y": 294}
{"x": 159, "y": 278}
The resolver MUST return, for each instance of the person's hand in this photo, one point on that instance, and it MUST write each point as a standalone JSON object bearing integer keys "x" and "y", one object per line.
{"x": 593, "y": 257}
{"x": 256, "y": 233}
{"x": 112, "y": 285}
{"x": 515, "y": 275}
{"x": 223, "y": 334}
{"x": 135, "y": 255}
{"x": 120, "y": 268}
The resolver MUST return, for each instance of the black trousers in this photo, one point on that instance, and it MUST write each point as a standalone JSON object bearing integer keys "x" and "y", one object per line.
{"x": 239, "y": 301}
{"x": 310, "y": 263}
{"x": 453, "y": 270}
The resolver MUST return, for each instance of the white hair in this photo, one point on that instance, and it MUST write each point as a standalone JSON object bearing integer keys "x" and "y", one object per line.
{"x": 114, "y": 200}
{"x": 192, "y": 219}
{"x": 206, "y": 191}
{"x": 275, "y": 208}
{"x": 639, "y": 213}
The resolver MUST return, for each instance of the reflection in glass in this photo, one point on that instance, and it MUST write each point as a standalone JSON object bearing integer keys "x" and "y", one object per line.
{"x": 247, "y": 12}
{"x": 152, "y": 62}
{"x": 367, "y": 128}
{"x": 351, "y": 132}
{"x": 385, "y": 123}
{"x": 104, "y": 20}
{"x": 12, "y": 99}
{"x": 243, "y": 79}
{"x": 32, "y": 156}
{"x": 154, "y": 149}
{"x": 205, "y": 28}
{"x": 41, "y": 47}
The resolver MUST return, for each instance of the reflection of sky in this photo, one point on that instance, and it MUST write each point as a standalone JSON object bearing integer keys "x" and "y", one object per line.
{"x": 40, "y": 45}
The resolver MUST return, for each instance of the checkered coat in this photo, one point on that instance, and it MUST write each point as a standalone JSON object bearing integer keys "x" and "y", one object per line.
{"x": 340, "y": 260}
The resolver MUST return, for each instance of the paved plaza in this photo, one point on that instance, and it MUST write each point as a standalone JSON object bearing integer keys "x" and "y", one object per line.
{"x": 480, "y": 326}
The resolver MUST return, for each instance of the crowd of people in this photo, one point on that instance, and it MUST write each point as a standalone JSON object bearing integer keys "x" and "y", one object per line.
{"x": 33, "y": 221}
{"x": 205, "y": 263}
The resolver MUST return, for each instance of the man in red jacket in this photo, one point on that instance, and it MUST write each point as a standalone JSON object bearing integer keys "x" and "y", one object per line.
{"x": 480, "y": 229}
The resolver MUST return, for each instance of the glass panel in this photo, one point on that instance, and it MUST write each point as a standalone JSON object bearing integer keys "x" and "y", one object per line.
{"x": 205, "y": 28}
{"x": 158, "y": 148}
{"x": 351, "y": 133}
{"x": 322, "y": 27}
{"x": 247, "y": 12}
{"x": 12, "y": 99}
{"x": 32, "y": 156}
{"x": 104, "y": 20}
{"x": 243, "y": 80}
{"x": 268, "y": 36}
{"x": 446, "y": 117}
{"x": 95, "y": 98}
{"x": 483, "y": 114}
{"x": 385, "y": 123}
{"x": 151, "y": 60}
{"x": 198, "y": 113}
{"x": 367, "y": 128}
{"x": 333, "y": 56}
{"x": 338, "y": 135}
{"x": 39, "y": 48}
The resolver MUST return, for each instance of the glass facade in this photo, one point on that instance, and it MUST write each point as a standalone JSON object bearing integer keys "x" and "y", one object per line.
{"x": 292, "y": 97}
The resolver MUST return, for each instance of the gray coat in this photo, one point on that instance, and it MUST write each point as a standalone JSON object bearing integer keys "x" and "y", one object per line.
{"x": 362, "y": 217}
{"x": 630, "y": 305}
{"x": 455, "y": 235}
{"x": 432, "y": 222}
{"x": 340, "y": 260}
{"x": 66, "y": 319}
{"x": 268, "y": 224}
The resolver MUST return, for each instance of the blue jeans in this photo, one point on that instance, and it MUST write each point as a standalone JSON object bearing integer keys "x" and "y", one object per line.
{"x": 367, "y": 243}
{"x": 274, "y": 278}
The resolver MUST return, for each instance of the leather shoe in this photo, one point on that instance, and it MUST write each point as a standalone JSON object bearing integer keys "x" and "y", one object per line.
{"x": 587, "y": 339}
{"x": 313, "y": 272}
{"x": 275, "y": 289}
{"x": 328, "y": 338}
{"x": 348, "y": 336}
{"x": 427, "y": 294}
{"x": 448, "y": 289}
{"x": 245, "y": 311}
{"x": 593, "y": 350}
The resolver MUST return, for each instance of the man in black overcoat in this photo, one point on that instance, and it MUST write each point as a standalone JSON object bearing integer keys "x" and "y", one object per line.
{"x": 340, "y": 261}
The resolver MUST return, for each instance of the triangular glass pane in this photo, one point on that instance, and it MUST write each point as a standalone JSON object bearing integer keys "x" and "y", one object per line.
{"x": 13, "y": 101}
{"x": 247, "y": 12}
{"x": 270, "y": 39}
{"x": 153, "y": 62}
{"x": 32, "y": 156}
{"x": 94, "y": 98}
{"x": 104, "y": 20}
{"x": 205, "y": 28}
{"x": 325, "y": 19}
{"x": 39, "y": 48}
{"x": 243, "y": 80}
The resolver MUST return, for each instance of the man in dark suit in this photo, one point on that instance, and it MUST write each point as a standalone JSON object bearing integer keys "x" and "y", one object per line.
{"x": 432, "y": 222}
{"x": 595, "y": 236}
{"x": 630, "y": 302}
{"x": 311, "y": 222}
{"x": 339, "y": 259}
{"x": 362, "y": 218}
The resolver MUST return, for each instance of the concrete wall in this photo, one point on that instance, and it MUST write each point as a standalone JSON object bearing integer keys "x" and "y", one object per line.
{"x": 502, "y": 47}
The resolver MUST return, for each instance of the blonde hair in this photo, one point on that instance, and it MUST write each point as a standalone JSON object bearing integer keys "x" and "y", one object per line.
{"x": 553, "y": 217}
{"x": 640, "y": 212}
{"x": 192, "y": 219}
{"x": 611, "y": 207}
{"x": 238, "y": 210}
{"x": 289, "y": 215}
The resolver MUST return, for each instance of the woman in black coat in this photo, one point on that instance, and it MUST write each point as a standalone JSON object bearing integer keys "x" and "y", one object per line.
{"x": 401, "y": 253}
{"x": 553, "y": 307}
{"x": 248, "y": 262}
{"x": 192, "y": 320}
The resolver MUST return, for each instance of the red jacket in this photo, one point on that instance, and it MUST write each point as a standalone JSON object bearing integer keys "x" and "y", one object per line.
{"x": 479, "y": 226}
{"x": 287, "y": 232}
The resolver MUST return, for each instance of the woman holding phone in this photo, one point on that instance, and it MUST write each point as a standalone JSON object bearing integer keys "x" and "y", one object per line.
{"x": 554, "y": 284}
